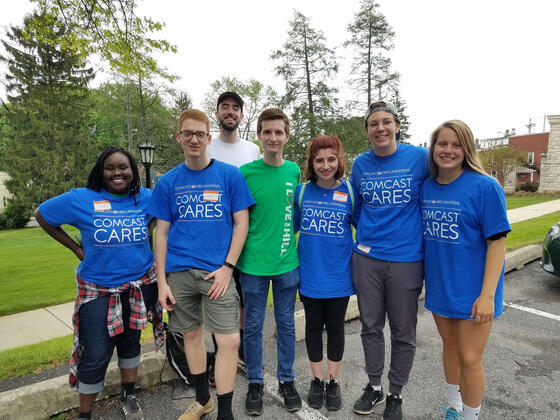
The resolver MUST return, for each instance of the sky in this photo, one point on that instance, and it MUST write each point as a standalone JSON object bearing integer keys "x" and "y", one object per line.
{"x": 494, "y": 64}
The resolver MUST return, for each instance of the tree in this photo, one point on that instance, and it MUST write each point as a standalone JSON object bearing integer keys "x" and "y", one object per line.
{"x": 352, "y": 134}
{"x": 5, "y": 132}
{"x": 119, "y": 120}
{"x": 256, "y": 98}
{"x": 109, "y": 28}
{"x": 182, "y": 100}
{"x": 504, "y": 160}
{"x": 403, "y": 116}
{"x": 50, "y": 150}
{"x": 306, "y": 64}
{"x": 372, "y": 38}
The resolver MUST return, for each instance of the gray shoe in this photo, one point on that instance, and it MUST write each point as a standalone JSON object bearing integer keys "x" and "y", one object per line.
{"x": 131, "y": 409}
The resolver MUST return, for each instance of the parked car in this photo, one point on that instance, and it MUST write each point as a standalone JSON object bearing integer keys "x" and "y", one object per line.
{"x": 551, "y": 250}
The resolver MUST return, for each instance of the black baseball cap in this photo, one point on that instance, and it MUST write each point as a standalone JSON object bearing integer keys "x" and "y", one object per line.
{"x": 231, "y": 95}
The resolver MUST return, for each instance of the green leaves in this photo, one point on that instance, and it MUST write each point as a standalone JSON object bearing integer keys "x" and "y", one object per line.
{"x": 108, "y": 28}
{"x": 48, "y": 150}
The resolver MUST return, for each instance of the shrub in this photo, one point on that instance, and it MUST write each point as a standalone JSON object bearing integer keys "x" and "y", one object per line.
{"x": 529, "y": 187}
{"x": 14, "y": 216}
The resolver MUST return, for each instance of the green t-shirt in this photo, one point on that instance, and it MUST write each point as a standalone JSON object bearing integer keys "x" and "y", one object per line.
{"x": 270, "y": 248}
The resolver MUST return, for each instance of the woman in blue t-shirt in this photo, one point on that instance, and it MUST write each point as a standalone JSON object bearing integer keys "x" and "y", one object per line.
{"x": 323, "y": 215}
{"x": 465, "y": 226}
{"x": 115, "y": 279}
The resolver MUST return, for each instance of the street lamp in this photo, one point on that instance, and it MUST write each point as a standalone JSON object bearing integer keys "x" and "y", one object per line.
{"x": 147, "y": 157}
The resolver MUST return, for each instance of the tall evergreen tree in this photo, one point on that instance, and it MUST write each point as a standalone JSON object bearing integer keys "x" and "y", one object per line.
{"x": 403, "y": 116}
{"x": 372, "y": 38}
{"x": 306, "y": 64}
{"x": 50, "y": 150}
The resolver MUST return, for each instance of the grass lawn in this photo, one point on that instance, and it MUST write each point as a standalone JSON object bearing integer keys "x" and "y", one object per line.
{"x": 35, "y": 271}
{"x": 513, "y": 202}
{"x": 531, "y": 231}
{"x": 35, "y": 357}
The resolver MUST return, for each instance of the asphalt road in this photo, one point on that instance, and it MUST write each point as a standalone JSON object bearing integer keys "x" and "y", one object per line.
{"x": 522, "y": 364}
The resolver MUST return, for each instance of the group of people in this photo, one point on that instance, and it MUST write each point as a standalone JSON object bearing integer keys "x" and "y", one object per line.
{"x": 226, "y": 213}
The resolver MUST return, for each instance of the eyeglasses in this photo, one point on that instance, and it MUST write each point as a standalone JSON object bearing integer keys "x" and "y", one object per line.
{"x": 188, "y": 135}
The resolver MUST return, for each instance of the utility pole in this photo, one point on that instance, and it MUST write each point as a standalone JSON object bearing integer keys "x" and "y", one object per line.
{"x": 530, "y": 125}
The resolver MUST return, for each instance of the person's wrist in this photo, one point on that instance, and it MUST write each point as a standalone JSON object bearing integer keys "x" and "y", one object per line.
{"x": 229, "y": 265}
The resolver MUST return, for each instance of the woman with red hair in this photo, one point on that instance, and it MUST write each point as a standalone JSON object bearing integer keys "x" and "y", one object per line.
{"x": 323, "y": 210}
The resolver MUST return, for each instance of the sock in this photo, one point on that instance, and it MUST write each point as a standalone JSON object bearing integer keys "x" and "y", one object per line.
{"x": 454, "y": 397}
{"x": 377, "y": 387}
{"x": 84, "y": 416}
{"x": 127, "y": 388}
{"x": 201, "y": 388}
{"x": 224, "y": 406}
{"x": 241, "y": 352}
{"x": 470, "y": 413}
{"x": 398, "y": 396}
{"x": 215, "y": 343}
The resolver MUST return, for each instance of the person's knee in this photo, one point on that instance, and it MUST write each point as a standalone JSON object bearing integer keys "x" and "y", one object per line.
{"x": 470, "y": 360}
{"x": 193, "y": 335}
{"x": 285, "y": 323}
{"x": 228, "y": 342}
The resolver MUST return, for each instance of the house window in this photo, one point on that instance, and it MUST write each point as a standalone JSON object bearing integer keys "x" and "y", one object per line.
{"x": 494, "y": 173}
{"x": 531, "y": 158}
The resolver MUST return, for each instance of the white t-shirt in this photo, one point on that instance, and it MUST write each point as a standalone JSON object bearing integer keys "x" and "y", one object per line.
{"x": 236, "y": 154}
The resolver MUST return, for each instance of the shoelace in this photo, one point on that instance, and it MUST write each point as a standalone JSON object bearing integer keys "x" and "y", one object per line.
{"x": 368, "y": 393}
{"x": 450, "y": 414}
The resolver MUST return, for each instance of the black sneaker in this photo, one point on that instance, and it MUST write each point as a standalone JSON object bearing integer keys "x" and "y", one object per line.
{"x": 393, "y": 408}
{"x": 369, "y": 399}
{"x": 254, "y": 402}
{"x": 316, "y": 393}
{"x": 131, "y": 409}
{"x": 292, "y": 401}
{"x": 333, "y": 396}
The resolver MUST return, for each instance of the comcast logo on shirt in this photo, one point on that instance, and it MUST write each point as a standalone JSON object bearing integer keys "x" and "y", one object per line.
{"x": 200, "y": 205}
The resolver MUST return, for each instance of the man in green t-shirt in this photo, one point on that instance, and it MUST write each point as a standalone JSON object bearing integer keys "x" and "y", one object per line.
{"x": 270, "y": 255}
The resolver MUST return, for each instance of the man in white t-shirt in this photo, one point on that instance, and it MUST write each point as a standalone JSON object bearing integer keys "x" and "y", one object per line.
{"x": 228, "y": 146}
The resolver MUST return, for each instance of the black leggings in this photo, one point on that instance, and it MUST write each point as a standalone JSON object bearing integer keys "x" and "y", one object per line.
{"x": 328, "y": 312}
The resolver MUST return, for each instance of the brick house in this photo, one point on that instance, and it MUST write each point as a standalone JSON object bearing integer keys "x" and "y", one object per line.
{"x": 534, "y": 145}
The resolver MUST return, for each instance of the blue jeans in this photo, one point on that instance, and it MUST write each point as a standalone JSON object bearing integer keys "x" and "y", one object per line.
{"x": 255, "y": 294}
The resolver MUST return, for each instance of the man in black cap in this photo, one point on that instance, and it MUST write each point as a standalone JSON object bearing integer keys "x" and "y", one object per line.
{"x": 228, "y": 146}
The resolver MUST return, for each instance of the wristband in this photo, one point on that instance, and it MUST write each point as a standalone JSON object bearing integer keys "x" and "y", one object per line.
{"x": 230, "y": 265}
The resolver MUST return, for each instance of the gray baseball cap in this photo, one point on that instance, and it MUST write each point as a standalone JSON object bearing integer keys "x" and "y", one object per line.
{"x": 382, "y": 106}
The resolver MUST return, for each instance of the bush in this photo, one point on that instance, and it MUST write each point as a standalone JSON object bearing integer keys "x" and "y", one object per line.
{"x": 14, "y": 216}
{"x": 529, "y": 187}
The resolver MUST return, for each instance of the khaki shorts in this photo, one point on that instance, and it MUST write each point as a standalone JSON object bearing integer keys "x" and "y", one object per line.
{"x": 221, "y": 316}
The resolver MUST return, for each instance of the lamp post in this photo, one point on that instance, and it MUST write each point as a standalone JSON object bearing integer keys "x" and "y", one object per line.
{"x": 147, "y": 157}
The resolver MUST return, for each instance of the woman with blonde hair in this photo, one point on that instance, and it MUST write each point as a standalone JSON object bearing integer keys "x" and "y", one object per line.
{"x": 465, "y": 227}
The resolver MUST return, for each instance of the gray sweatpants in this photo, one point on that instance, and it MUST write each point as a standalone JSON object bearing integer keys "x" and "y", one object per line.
{"x": 392, "y": 289}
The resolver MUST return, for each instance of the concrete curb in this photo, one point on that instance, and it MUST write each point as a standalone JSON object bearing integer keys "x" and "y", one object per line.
{"x": 43, "y": 399}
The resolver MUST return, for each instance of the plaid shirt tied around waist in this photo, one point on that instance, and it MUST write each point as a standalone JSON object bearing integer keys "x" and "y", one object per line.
{"x": 139, "y": 314}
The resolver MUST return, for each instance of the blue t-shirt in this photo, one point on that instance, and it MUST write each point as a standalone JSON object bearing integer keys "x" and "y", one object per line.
{"x": 325, "y": 241}
{"x": 458, "y": 218}
{"x": 114, "y": 233}
{"x": 388, "y": 203}
{"x": 200, "y": 207}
